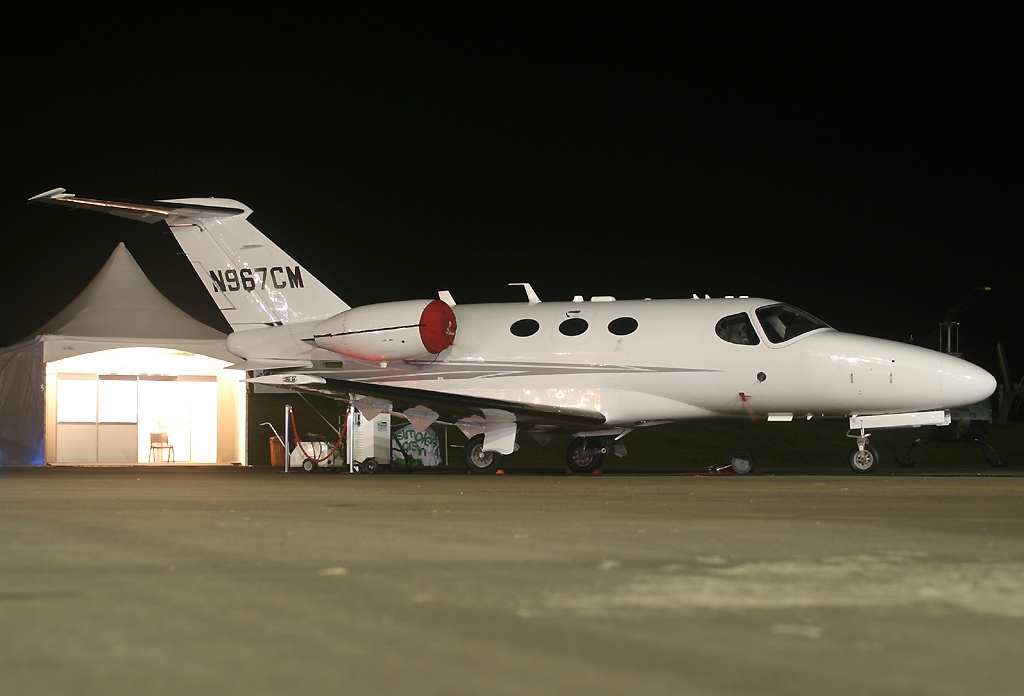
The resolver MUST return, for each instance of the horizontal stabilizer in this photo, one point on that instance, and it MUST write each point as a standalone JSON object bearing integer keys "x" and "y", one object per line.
{"x": 143, "y": 212}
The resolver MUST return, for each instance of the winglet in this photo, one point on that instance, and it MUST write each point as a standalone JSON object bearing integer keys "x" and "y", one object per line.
{"x": 52, "y": 193}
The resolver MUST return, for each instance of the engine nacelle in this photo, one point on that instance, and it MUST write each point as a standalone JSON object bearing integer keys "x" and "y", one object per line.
{"x": 389, "y": 331}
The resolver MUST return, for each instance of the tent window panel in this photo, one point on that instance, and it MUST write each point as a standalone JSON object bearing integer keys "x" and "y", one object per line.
{"x": 204, "y": 421}
{"x": 76, "y": 400}
{"x": 118, "y": 401}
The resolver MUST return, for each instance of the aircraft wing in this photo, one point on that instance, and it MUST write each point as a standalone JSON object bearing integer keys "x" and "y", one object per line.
{"x": 497, "y": 419}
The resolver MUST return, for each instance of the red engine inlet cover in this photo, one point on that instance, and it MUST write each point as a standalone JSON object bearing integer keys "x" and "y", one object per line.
{"x": 437, "y": 327}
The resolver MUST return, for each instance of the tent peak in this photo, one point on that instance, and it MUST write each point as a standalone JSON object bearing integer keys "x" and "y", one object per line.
{"x": 121, "y": 302}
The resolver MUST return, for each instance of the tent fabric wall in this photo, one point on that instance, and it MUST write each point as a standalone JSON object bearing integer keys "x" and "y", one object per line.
{"x": 119, "y": 308}
{"x": 22, "y": 405}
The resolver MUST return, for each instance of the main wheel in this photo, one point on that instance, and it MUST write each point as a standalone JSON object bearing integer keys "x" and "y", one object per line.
{"x": 308, "y": 466}
{"x": 742, "y": 463}
{"x": 865, "y": 461}
{"x": 478, "y": 461}
{"x": 583, "y": 458}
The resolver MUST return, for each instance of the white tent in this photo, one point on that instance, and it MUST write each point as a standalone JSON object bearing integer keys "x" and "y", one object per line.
{"x": 119, "y": 363}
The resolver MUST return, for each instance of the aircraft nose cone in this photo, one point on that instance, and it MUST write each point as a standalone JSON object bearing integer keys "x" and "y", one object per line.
{"x": 963, "y": 383}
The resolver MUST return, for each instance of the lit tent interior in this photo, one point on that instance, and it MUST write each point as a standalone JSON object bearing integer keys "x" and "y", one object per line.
{"x": 119, "y": 364}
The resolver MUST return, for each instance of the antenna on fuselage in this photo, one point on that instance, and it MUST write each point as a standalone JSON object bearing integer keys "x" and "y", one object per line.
{"x": 531, "y": 296}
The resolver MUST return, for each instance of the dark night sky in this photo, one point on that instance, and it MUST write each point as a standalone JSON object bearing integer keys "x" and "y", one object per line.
{"x": 865, "y": 168}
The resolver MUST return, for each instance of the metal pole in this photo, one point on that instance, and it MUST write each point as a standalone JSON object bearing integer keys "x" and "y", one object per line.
{"x": 287, "y": 435}
{"x": 350, "y": 439}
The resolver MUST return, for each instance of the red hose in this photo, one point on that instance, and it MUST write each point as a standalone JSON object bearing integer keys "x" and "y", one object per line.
{"x": 310, "y": 457}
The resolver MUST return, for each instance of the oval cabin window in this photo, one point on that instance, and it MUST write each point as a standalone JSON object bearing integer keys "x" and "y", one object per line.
{"x": 524, "y": 327}
{"x": 623, "y": 326}
{"x": 573, "y": 327}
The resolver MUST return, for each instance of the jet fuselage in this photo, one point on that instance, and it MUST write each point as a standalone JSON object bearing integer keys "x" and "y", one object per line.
{"x": 646, "y": 361}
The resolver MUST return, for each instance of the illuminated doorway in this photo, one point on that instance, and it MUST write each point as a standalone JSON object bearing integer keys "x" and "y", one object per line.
{"x": 103, "y": 408}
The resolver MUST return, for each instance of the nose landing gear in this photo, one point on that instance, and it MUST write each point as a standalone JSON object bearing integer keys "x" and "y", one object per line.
{"x": 864, "y": 461}
{"x": 865, "y": 458}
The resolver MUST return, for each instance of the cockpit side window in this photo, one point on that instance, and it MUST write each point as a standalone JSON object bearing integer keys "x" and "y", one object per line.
{"x": 782, "y": 322}
{"x": 737, "y": 328}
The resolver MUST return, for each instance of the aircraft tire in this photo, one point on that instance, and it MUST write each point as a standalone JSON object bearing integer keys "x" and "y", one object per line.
{"x": 582, "y": 459}
{"x": 742, "y": 463}
{"x": 866, "y": 461}
{"x": 478, "y": 461}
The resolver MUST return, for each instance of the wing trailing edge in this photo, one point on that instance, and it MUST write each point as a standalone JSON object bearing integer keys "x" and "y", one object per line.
{"x": 498, "y": 420}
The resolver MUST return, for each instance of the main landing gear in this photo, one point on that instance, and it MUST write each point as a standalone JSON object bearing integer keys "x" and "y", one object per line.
{"x": 585, "y": 455}
{"x": 478, "y": 461}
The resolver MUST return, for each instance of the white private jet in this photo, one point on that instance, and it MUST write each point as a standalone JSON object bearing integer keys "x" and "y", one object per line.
{"x": 597, "y": 369}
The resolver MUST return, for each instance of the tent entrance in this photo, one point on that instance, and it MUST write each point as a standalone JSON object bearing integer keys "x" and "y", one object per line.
{"x": 109, "y": 407}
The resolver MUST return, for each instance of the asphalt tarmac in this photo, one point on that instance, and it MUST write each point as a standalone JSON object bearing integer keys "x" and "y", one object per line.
{"x": 249, "y": 581}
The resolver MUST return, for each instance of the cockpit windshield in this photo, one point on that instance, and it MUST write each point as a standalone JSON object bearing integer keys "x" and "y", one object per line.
{"x": 782, "y": 323}
{"x": 738, "y": 329}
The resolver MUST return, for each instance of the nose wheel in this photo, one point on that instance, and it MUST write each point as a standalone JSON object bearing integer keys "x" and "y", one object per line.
{"x": 864, "y": 461}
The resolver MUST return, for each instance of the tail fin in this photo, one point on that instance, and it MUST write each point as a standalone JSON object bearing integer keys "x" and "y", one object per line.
{"x": 252, "y": 280}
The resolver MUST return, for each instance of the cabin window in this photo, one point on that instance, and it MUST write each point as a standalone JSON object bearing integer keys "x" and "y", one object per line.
{"x": 573, "y": 326}
{"x": 738, "y": 329}
{"x": 623, "y": 326}
{"x": 524, "y": 327}
{"x": 782, "y": 322}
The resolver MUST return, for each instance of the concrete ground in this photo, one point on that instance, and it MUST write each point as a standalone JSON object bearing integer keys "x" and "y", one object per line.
{"x": 248, "y": 581}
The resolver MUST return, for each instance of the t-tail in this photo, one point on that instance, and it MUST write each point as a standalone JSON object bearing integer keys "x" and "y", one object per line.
{"x": 253, "y": 281}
